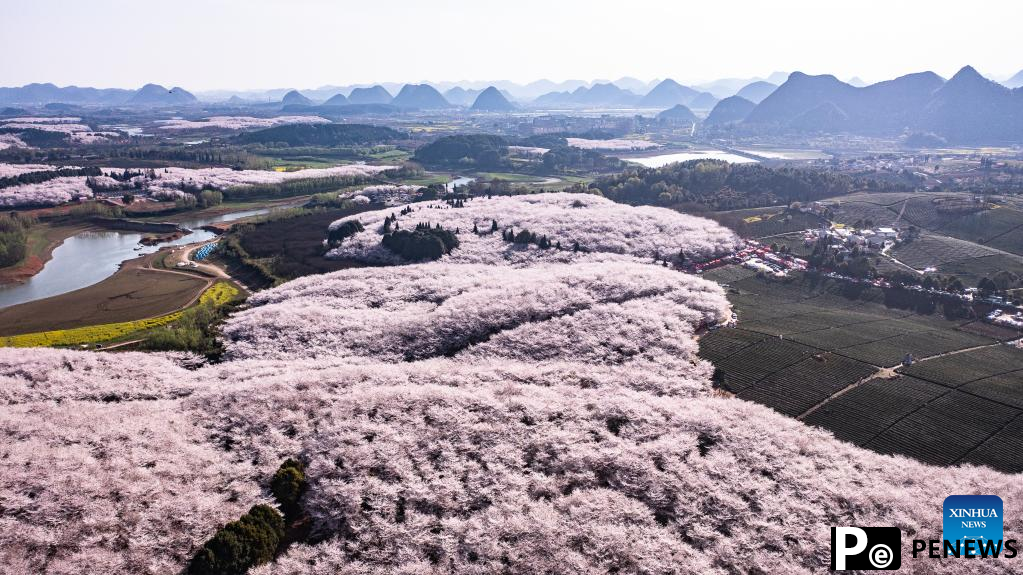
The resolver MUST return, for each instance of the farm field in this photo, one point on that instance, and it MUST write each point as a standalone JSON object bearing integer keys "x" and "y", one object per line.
{"x": 936, "y": 250}
{"x": 508, "y": 177}
{"x": 848, "y": 212}
{"x": 1000, "y": 228}
{"x": 865, "y": 411}
{"x": 944, "y": 430}
{"x": 762, "y": 222}
{"x": 954, "y": 238}
{"x": 821, "y": 353}
{"x": 218, "y": 295}
{"x": 958, "y": 369}
{"x": 971, "y": 270}
{"x": 793, "y": 241}
{"x": 132, "y": 293}
{"x": 288, "y": 247}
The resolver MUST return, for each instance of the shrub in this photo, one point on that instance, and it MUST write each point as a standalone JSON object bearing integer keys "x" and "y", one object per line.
{"x": 288, "y": 485}
{"x": 344, "y": 230}
{"x": 482, "y": 150}
{"x": 250, "y": 541}
{"x": 423, "y": 243}
{"x": 13, "y": 238}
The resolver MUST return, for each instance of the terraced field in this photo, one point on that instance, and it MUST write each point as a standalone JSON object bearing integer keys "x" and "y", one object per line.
{"x": 728, "y": 274}
{"x": 954, "y": 240}
{"x": 866, "y": 411}
{"x": 796, "y": 389}
{"x": 849, "y": 212}
{"x": 936, "y": 250}
{"x": 944, "y": 430}
{"x": 816, "y": 352}
{"x": 1000, "y": 228}
{"x": 972, "y": 269}
{"x": 761, "y": 222}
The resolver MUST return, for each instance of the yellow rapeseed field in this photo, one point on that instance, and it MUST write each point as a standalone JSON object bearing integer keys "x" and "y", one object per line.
{"x": 218, "y": 294}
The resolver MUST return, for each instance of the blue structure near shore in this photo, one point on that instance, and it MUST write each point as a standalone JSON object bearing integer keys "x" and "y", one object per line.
{"x": 204, "y": 252}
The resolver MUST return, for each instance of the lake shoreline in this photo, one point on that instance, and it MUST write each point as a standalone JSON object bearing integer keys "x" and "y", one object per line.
{"x": 36, "y": 259}
{"x": 137, "y": 290}
{"x": 57, "y": 234}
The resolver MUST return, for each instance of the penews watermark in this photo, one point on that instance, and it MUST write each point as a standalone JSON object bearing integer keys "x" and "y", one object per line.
{"x": 866, "y": 548}
{"x": 973, "y": 527}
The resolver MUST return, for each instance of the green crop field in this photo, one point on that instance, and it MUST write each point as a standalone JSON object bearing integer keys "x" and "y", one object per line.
{"x": 934, "y": 250}
{"x": 1006, "y": 388}
{"x": 849, "y": 212}
{"x": 796, "y": 388}
{"x": 972, "y": 269}
{"x": 1004, "y": 448}
{"x": 761, "y": 222}
{"x": 944, "y": 430}
{"x": 953, "y": 239}
{"x": 864, "y": 412}
{"x": 957, "y": 369}
{"x": 809, "y": 349}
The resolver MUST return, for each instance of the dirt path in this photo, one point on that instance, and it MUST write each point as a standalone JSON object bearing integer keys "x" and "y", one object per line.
{"x": 179, "y": 255}
{"x": 886, "y": 373}
{"x": 881, "y": 373}
{"x": 121, "y": 344}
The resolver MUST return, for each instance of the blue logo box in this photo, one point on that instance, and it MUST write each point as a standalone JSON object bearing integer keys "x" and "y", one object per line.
{"x": 973, "y": 518}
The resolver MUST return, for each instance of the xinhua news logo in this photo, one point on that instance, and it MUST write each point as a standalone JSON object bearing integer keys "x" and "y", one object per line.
{"x": 974, "y": 523}
{"x": 866, "y": 548}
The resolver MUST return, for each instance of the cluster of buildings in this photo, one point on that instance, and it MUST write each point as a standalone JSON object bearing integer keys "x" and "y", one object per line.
{"x": 846, "y": 239}
{"x": 815, "y": 208}
{"x": 560, "y": 124}
{"x": 1002, "y": 318}
{"x": 756, "y": 257}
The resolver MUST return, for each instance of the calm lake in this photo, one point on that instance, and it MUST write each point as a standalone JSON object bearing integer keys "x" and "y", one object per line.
{"x": 459, "y": 181}
{"x": 665, "y": 159}
{"x": 91, "y": 257}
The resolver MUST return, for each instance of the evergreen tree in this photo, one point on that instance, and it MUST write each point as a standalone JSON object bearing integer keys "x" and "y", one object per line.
{"x": 250, "y": 541}
{"x": 287, "y": 486}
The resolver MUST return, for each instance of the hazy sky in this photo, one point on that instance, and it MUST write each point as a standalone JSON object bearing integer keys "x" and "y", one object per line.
{"x": 209, "y": 44}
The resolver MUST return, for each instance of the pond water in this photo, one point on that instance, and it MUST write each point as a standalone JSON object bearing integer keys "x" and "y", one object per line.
{"x": 778, "y": 154}
{"x": 665, "y": 159}
{"x": 459, "y": 181}
{"x": 90, "y": 257}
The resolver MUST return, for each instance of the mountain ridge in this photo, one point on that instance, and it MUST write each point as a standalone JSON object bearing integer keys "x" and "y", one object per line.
{"x": 491, "y": 100}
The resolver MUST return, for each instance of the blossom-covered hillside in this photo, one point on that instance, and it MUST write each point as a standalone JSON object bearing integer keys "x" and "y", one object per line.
{"x": 71, "y": 127}
{"x": 48, "y": 193}
{"x": 617, "y": 144}
{"x": 222, "y": 178}
{"x": 596, "y": 224}
{"x": 444, "y": 466}
{"x": 162, "y": 184}
{"x": 103, "y": 471}
{"x": 453, "y": 418}
{"x": 237, "y": 122}
{"x": 548, "y": 311}
{"x": 388, "y": 194}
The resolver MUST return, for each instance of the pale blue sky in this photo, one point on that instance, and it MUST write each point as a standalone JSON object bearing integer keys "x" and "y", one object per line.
{"x": 238, "y": 44}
